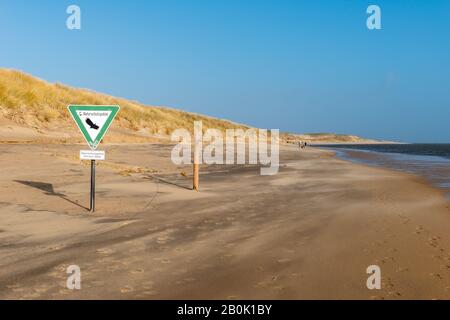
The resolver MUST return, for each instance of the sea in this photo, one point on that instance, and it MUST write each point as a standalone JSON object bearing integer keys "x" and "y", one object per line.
{"x": 430, "y": 161}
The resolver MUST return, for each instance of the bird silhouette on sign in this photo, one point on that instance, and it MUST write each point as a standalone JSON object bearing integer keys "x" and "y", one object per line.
{"x": 91, "y": 124}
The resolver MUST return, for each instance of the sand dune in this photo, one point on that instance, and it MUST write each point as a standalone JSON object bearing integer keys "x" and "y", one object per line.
{"x": 33, "y": 110}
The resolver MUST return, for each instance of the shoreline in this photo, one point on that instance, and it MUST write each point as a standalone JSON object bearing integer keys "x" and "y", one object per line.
{"x": 418, "y": 165}
{"x": 407, "y": 175}
{"x": 319, "y": 144}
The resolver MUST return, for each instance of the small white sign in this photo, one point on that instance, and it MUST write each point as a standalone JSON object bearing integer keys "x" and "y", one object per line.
{"x": 92, "y": 155}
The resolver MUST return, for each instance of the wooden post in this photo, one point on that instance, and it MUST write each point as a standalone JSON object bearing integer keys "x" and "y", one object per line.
{"x": 197, "y": 151}
{"x": 196, "y": 171}
{"x": 196, "y": 165}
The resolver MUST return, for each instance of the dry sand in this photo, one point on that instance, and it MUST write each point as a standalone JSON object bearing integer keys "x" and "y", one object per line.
{"x": 309, "y": 232}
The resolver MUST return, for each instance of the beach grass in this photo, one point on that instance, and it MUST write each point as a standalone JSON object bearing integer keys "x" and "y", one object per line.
{"x": 33, "y": 102}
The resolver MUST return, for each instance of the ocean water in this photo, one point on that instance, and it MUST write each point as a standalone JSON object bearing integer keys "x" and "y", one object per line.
{"x": 431, "y": 161}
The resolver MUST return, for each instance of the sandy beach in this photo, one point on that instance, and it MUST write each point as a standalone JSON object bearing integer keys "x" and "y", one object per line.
{"x": 309, "y": 232}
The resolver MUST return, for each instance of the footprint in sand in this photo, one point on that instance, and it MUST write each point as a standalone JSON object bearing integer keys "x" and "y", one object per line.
{"x": 162, "y": 260}
{"x": 388, "y": 284}
{"x": 436, "y": 275}
{"x": 380, "y": 243}
{"x": 59, "y": 271}
{"x": 285, "y": 260}
{"x": 433, "y": 242}
{"x": 163, "y": 239}
{"x": 42, "y": 289}
{"x": 63, "y": 292}
{"x": 394, "y": 294}
{"x": 406, "y": 221}
{"x": 296, "y": 275}
{"x": 104, "y": 251}
{"x": 13, "y": 286}
{"x": 126, "y": 289}
{"x": 185, "y": 280}
{"x": 112, "y": 268}
{"x": 137, "y": 271}
{"x": 56, "y": 248}
{"x": 61, "y": 268}
{"x": 272, "y": 283}
{"x": 31, "y": 296}
{"x": 419, "y": 229}
{"x": 383, "y": 261}
{"x": 18, "y": 290}
{"x": 278, "y": 288}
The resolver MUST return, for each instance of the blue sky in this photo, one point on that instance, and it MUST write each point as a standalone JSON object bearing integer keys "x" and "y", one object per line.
{"x": 300, "y": 66}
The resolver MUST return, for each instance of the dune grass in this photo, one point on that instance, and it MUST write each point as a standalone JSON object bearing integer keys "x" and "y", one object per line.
{"x": 37, "y": 103}
{"x": 41, "y": 105}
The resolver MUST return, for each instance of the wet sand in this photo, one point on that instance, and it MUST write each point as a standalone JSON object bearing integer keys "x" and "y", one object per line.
{"x": 309, "y": 232}
{"x": 434, "y": 169}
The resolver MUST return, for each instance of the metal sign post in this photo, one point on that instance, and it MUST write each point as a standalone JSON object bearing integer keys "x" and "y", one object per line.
{"x": 92, "y": 202}
{"x": 93, "y": 122}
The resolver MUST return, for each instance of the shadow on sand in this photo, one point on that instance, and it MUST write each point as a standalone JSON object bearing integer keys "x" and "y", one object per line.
{"x": 162, "y": 180}
{"x": 48, "y": 190}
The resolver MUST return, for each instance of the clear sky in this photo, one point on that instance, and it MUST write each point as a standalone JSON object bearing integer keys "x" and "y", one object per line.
{"x": 301, "y": 66}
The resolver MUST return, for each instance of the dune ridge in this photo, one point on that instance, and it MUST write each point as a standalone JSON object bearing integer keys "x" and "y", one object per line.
{"x": 34, "y": 110}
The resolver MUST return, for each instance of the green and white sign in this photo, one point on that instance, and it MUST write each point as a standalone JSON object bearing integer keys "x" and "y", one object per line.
{"x": 93, "y": 121}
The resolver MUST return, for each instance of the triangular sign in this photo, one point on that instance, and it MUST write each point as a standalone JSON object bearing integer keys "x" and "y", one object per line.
{"x": 93, "y": 121}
